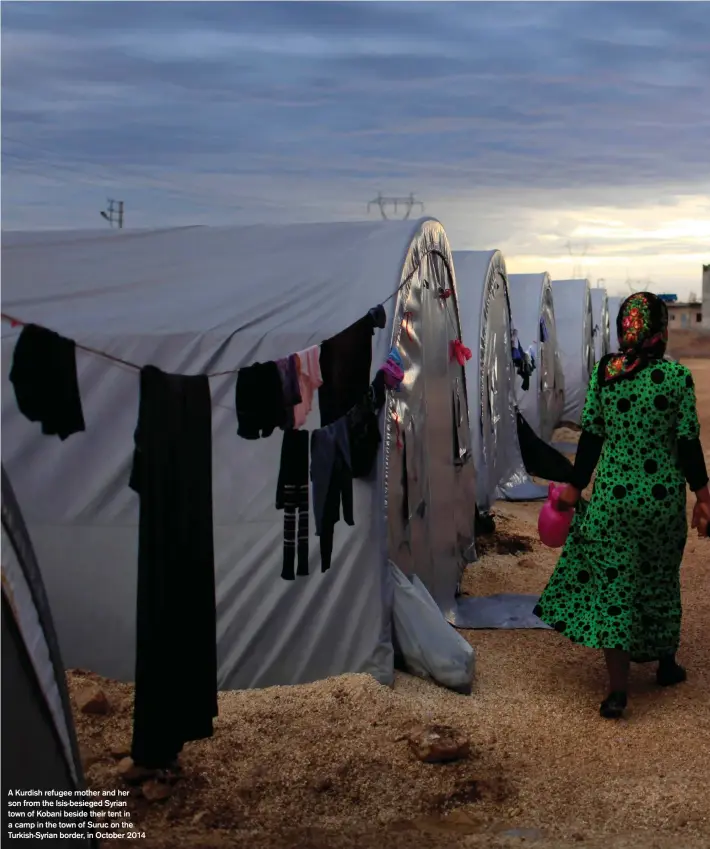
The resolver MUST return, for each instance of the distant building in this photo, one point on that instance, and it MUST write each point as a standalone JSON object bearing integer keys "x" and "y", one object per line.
{"x": 686, "y": 316}
{"x": 706, "y": 297}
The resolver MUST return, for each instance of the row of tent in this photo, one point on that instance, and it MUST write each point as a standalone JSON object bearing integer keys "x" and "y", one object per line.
{"x": 199, "y": 299}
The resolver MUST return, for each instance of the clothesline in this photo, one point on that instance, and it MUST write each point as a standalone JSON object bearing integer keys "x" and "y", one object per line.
{"x": 17, "y": 322}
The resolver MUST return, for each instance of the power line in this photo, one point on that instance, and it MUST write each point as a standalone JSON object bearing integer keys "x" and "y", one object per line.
{"x": 121, "y": 174}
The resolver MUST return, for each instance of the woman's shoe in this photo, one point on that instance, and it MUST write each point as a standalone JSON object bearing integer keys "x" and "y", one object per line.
{"x": 670, "y": 674}
{"x": 613, "y": 706}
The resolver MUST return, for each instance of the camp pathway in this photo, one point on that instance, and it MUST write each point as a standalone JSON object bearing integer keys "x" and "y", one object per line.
{"x": 323, "y": 766}
{"x": 537, "y": 695}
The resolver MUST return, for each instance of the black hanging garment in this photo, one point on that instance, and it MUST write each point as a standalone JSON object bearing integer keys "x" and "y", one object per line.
{"x": 292, "y": 498}
{"x": 345, "y": 363}
{"x": 176, "y": 651}
{"x": 259, "y": 400}
{"x": 332, "y": 480}
{"x": 44, "y": 376}
{"x": 363, "y": 429}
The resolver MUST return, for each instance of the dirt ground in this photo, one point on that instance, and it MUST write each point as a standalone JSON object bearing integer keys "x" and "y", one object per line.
{"x": 323, "y": 765}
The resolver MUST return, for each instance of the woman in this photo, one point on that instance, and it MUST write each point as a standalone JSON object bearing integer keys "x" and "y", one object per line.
{"x": 616, "y": 586}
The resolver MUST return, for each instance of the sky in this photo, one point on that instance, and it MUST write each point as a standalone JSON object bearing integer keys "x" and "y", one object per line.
{"x": 571, "y": 136}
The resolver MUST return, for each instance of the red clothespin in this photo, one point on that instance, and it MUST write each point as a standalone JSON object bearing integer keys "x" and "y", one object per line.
{"x": 460, "y": 352}
{"x": 15, "y": 323}
{"x": 395, "y": 419}
{"x": 445, "y": 293}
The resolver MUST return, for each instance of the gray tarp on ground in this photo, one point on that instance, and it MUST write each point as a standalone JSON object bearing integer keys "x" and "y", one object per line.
{"x": 505, "y": 611}
{"x": 573, "y": 318}
{"x": 192, "y": 300}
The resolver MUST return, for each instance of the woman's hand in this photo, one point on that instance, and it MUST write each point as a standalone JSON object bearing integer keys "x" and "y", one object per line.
{"x": 701, "y": 518}
{"x": 701, "y": 511}
{"x": 568, "y": 499}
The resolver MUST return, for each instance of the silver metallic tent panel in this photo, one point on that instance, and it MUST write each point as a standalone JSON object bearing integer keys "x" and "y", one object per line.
{"x": 613, "y": 307}
{"x": 533, "y": 316}
{"x": 198, "y": 299}
{"x": 600, "y": 318}
{"x": 573, "y": 314}
{"x": 490, "y": 375}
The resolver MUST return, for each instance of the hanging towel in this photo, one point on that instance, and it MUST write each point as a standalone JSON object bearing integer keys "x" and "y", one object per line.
{"x": 292, "y": 498}
{"x": 309, "y": 380}
{"x": 332, "y": 480}
{"x": 259, "y": 400}
{"x": 176, "y": 654}
{"x": 345, "y": 363}
{"x": 46, "y": 386}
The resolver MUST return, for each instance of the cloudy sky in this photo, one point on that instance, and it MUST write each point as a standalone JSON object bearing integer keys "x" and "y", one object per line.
{"x": 569, "y": 135}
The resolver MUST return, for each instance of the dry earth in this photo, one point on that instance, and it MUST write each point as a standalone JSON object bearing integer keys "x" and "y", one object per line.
{"x": 321, "y": 765}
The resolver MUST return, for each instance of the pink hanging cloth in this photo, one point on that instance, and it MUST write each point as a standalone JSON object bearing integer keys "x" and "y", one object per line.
{"x": 309, "y": 381}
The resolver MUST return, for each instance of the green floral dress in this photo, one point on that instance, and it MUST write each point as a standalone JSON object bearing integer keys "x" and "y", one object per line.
{"x": 617, "y": 582}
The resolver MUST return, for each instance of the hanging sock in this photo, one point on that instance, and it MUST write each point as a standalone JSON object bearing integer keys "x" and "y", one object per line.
{"x": 292, "y": 498}
{"x": 332, "y": 480}
{"x": 176, "y": 613}
{"x": 46, "y": 386}
{"x": 259, "y": 399}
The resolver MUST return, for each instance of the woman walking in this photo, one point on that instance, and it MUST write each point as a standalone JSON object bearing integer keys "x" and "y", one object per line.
{"x": 616, "y": 586}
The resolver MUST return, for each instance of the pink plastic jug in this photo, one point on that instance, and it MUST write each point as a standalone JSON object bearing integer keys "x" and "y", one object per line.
{"x": 553, "y": 525}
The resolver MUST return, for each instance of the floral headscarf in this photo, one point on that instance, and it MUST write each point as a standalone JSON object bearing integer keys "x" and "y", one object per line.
{"x": 642, "y": 328}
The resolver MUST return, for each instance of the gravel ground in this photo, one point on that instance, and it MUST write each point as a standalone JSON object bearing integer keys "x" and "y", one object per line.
{"x": 322, "y": 765}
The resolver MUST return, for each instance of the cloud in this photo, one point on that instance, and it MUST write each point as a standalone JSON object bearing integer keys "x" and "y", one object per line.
{"x": 303, "y": 111}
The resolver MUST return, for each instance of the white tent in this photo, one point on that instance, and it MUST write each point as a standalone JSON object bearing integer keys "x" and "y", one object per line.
{"x": 484, "y": 307}
{"x": 600, "y": 317}
{"x": 39, "y": 748}
{"x": 533, "y": 317}
{"x": 613, "y": 307}
{"x": 194, "y": 300}
{"x": 573, "y": 315}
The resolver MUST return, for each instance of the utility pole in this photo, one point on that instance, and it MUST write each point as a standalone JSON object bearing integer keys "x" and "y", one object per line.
{"x": 408, "y": 202}
{"x": 577, "y": 269}
{"x": 114, "y": 213}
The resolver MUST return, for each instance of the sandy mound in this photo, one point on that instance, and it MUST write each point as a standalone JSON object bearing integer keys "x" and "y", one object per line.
{"x": 328, "y": 755}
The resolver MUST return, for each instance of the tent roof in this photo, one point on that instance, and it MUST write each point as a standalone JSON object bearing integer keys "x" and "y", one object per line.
{"x": 525, "y": 293}
{"x": 474, "y": 265}
{"x": 569, "y": 298}
{"x": 311, "y": 280}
